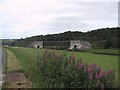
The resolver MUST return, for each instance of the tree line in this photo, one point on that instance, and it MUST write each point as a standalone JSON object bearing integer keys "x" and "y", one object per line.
{"x": 100, "y": 38}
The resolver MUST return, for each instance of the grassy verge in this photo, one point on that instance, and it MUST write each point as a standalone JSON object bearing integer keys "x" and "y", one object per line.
{"x": 0, "y": 86}
{"x": 28, "y": 57}
{"x": 12, "y": 64}
{"x": 14, "y": 77}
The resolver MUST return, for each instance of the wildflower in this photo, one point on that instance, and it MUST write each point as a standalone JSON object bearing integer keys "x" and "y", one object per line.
{"x": 85, "y": 69}
{"x": 101, "y": 74}
{"x": 91, "y": 77}
{"x": 89, "y": 69}
{"x": 97, "y": 76}
{"x": 109, "y": 72}
{"x": 89, "y": 65}
{"x": 80, "y": 66}
{"x": 94, "y": 65}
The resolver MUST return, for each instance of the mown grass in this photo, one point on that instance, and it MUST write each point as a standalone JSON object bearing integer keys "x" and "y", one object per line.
{"x": 28, "y": 57}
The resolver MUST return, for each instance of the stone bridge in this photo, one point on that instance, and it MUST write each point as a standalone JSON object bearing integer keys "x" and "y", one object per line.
{"x": 73, "y": 44}
{"x": 36, "y": 44}
{"x": 79, "y": 45}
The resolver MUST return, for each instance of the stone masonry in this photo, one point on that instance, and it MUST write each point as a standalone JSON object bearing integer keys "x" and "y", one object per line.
{"x": 74, "y": 44}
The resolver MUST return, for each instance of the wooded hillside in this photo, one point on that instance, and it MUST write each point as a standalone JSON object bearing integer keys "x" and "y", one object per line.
{"x": 100, "y": 38}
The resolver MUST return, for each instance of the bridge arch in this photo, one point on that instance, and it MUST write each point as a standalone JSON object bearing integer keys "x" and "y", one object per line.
{"x": 79, "y": 45}
{"x": 36, "y": 44}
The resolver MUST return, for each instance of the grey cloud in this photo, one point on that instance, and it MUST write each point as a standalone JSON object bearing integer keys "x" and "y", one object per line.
{"x": 93, "y": 10}
{"x": 119, "y": 14}
{"x": 67, "y": 24}
{"x": 88, "y": 16}
{"x": 104, "y": 14}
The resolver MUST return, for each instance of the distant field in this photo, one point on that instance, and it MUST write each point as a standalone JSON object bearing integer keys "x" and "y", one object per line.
{"x": 28, "y": 56}
{"x": 105, "y": 51}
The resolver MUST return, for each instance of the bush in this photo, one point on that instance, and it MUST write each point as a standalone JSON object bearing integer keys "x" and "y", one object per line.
{"x": 58, "y": 70}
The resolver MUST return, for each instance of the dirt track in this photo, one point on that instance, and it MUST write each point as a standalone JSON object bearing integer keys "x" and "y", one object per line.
{"x": 16, "y": 80}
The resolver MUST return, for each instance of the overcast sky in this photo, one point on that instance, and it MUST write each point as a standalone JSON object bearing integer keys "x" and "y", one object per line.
{"x": 25, "y": 18}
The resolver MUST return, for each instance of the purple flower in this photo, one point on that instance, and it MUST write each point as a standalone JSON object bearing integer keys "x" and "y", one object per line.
{"x": 91, "y": 77}
{"x": 94, "y": 65}
{"x": 89, "y": 69}
{"x": 97, "y": 76}
{"x": 90, "y": 65}
{"x": 109, "y": 72}
{"x": 101, "y": 74}
{"x": 80, "y": 66}
{"x": 85, "y": 69}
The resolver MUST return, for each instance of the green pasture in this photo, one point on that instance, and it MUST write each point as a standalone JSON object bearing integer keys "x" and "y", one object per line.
{"x": 105, "y": 51}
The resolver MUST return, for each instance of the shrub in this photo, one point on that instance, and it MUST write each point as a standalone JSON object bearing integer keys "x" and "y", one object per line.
{"x": 58, "y": 70}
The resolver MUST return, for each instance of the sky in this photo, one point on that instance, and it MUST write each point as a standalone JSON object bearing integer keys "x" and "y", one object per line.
{"x": 26, "y": 18}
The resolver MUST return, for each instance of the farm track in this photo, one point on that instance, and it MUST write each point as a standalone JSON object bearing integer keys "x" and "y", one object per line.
{"x": 14, "y": 78}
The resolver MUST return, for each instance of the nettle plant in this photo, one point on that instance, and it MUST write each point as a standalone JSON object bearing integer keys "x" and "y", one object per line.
{"x": 58, "y": 70}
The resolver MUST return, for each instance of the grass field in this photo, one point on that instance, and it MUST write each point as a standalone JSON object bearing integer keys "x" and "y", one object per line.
{"x": 105, "y": 51}
{"x": 28, "y": 57}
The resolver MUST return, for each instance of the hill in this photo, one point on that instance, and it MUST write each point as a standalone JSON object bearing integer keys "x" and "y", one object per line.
{"x": 100, "y": 38}
{"x": 8, "y": 41}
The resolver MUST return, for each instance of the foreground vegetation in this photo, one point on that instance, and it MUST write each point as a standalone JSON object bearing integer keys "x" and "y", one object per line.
{"x": 34, "y": 63}
{"x": 56, "y": 70}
